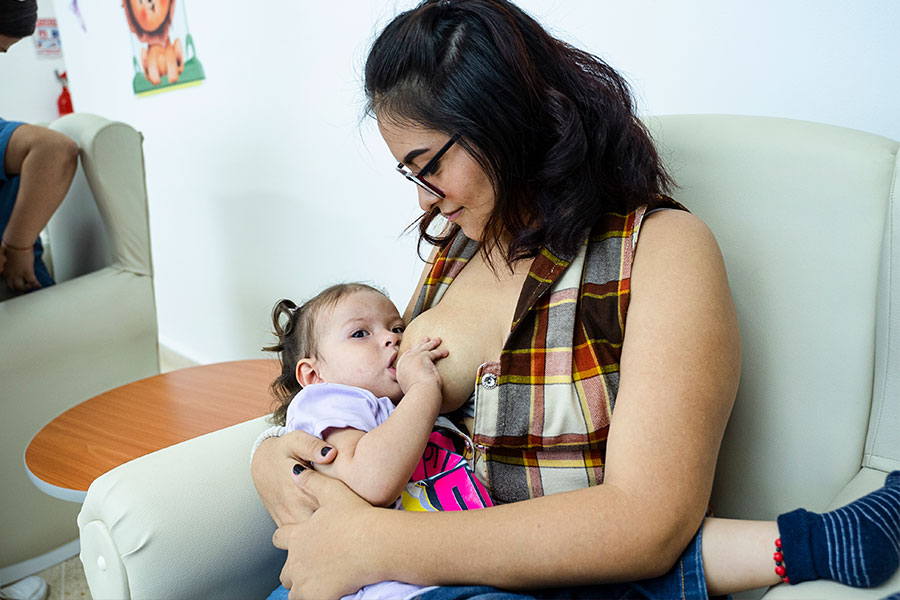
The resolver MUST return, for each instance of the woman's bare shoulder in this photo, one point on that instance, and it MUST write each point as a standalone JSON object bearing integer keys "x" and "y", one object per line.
{"x": 664, "y": 228}
{"x": 677, "y": 248}
{"x": 679, "y": 271}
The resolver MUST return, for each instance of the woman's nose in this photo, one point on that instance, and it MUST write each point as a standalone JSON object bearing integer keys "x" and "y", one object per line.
{"x": 427, "y": 200}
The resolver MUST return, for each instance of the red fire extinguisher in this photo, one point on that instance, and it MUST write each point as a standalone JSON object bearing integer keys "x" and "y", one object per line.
{"x": 64, "y": 102}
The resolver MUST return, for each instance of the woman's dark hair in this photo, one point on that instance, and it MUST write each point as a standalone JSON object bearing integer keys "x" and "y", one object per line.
{"x": 18, "y": 17}
{"x": 294, "y": 326}
{"x": 553, "y": 127}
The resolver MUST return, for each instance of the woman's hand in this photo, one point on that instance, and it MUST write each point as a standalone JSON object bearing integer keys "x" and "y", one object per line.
{"x": 271, "y": 469}
{"x": 327, "y": 557}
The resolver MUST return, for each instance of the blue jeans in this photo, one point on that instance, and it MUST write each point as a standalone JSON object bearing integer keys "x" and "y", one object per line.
{"x": 685, "y": 580}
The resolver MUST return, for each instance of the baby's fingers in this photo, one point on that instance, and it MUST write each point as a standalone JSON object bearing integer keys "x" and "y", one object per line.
{"x": 428, "y": 344}
{"x": 438, "y": 353}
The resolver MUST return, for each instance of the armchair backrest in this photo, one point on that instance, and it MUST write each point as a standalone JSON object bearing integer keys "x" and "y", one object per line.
{"x": 802, "y": 212}
{"x": 883, "y": 441}
{"x": 93, "y": 331}
{"x": 108, "y": 194}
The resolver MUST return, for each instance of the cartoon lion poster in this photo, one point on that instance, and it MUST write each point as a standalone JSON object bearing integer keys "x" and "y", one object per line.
{"x": 163, "y": 50}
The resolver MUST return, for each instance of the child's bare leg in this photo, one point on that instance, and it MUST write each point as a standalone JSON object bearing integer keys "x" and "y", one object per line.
{"x": 737, "y": 555}
{"x": 857, "y": 545}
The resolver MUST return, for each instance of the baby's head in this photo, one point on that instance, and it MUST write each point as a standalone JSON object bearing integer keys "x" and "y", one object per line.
{"x": 348, "y": 333}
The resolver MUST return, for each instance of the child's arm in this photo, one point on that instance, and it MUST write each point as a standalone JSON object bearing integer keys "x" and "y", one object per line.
{"x": 378, "y": 464}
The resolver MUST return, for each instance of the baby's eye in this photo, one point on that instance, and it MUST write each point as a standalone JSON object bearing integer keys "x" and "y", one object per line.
{"x": 359, "y": 333}
{"x": 399, "y": 329}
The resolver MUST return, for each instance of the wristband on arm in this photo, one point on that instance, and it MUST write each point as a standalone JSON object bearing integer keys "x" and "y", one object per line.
{"x": 276, "y": 431}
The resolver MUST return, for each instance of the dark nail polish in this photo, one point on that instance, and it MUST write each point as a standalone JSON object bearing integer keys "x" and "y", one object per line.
{"x": 326, "y": 450}
{"x": 298, "y": 468}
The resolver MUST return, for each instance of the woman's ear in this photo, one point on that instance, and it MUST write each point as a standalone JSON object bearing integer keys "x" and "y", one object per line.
{"x": 307, "y": 372}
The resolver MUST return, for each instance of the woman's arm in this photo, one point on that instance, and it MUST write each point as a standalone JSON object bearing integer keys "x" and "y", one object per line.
{"x": 679, "y": 371}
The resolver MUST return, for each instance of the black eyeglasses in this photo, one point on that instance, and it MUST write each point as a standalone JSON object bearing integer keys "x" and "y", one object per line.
{"x": 429, "y": 166}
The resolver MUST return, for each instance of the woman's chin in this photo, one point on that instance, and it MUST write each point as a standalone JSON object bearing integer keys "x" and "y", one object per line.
{"x": 473, "y": 233}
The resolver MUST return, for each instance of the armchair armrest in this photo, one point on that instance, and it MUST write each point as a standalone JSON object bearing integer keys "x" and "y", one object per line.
{"x": 183, "y": 522}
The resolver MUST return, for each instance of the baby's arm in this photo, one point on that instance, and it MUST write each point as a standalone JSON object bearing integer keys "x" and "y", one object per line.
{"x": 378, "y": 464}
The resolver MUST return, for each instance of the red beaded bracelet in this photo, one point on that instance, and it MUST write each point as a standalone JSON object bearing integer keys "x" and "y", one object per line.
{"x": 779, "y": 562}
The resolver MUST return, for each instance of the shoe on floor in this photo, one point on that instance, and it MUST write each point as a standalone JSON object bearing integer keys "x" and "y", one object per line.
{"x": 30, "y": 588}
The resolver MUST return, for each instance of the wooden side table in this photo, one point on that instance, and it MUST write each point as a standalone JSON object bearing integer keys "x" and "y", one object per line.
{"x": 142, "y": 417}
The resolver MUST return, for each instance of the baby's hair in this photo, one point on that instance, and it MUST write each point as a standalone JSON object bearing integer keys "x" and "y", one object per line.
{"x": 294, "y": 326}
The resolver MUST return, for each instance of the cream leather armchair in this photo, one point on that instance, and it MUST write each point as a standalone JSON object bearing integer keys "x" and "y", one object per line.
{"x": 807, "y": 216}
{"x": 93, "y": 331}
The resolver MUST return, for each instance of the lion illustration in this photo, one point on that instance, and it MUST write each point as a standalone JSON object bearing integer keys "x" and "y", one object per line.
{"x": 150, "y": 21}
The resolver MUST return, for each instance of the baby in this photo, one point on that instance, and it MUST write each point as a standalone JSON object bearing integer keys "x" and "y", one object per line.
{"x": 342, "y": 381}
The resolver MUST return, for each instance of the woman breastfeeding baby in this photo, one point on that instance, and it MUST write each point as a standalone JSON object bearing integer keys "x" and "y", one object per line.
{"x": 590, "y": 332}
{"x": 344, "y": 381}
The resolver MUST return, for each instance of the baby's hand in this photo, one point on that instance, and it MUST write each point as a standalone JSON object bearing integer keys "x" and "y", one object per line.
{"x": 416, "y": 365}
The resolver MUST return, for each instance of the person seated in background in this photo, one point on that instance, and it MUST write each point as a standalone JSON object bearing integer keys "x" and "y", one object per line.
{"x": 38, "y": 167}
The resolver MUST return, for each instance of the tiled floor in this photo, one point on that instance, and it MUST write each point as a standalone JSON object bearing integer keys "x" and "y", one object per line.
{"x": 66, "y": 580}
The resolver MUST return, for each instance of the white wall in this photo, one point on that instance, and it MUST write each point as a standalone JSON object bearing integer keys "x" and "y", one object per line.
{"x": 30, "y": 88}
{"x": 262, "y": 184}
{"x": 830, "y": 61}
{"x": 259, "y": 178}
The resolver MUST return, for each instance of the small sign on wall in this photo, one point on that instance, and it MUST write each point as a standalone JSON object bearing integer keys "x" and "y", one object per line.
{"x": 163, "y": 52}
{"x": 46, "y": 38}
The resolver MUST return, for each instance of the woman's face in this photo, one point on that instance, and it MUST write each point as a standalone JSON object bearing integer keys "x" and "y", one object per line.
{"x": 469, "y": 198}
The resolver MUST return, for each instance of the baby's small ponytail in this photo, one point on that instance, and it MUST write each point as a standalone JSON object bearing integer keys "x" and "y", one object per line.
{"x": 282, "y": 323}
{"x": 285, "y": 318}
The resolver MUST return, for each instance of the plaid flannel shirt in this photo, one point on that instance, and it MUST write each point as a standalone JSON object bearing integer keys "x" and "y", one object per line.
{"x": 542, "y": 412}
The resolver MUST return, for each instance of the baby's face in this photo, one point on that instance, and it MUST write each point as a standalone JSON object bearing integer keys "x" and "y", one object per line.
{"x": 358, "y": 341}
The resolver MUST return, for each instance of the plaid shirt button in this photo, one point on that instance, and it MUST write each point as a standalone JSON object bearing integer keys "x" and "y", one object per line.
{"x": 489, "y": 380}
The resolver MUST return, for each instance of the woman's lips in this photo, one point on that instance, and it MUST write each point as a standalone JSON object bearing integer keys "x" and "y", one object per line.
{"x": 451, "y": 216}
